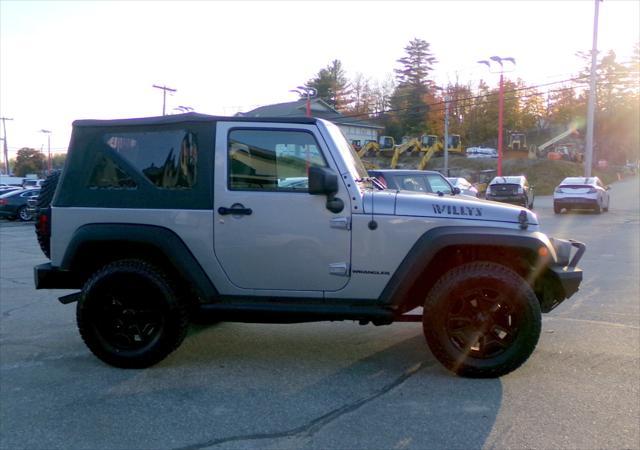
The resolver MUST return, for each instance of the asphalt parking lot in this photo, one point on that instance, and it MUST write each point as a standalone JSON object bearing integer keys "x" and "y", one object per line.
{"x": 332, "y": 385}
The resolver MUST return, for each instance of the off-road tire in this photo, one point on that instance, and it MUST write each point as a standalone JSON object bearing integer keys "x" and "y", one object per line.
{"x": 44, "y": 207}
{"x": 130, "y": 316}
{"x": 504, "y": 303}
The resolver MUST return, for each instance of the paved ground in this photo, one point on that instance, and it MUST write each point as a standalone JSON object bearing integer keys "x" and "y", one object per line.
{"x": 332, "y": 385}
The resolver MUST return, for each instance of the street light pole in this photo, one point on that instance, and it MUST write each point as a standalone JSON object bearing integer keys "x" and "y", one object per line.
{"x": 500, "y": 122}
{"x": 48, "y": 133}
{"x": 499, "y": 60}
{"x": 588, "y": 153}
{"x": 446, "y": 135}
{"x": 308, "y": 92}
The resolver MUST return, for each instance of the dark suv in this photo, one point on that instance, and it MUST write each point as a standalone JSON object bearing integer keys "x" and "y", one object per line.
{"x": 512, "y": 189}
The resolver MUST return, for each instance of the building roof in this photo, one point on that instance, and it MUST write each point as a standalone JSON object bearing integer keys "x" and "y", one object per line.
{"x": 319, "y": 108}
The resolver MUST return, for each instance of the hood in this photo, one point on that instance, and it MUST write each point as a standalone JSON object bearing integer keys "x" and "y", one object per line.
{"x": 454, "y": 207}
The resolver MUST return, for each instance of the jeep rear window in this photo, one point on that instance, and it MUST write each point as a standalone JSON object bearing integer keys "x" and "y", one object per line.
{"x": 168, "y": 159}
{"x": 272, "y": 160}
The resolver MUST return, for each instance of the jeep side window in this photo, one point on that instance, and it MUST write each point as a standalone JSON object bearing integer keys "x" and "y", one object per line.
{"x": 168, "y": 159}
{"x": 106, "y": 174}
{"x": 271, "y": 160}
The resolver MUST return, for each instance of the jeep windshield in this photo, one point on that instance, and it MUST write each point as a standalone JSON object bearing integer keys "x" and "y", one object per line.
{"x": 351, "y": 159}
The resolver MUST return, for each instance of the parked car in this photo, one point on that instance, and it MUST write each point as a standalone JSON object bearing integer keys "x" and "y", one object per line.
{"x": 581, "y": 193}
{"x": 465, "y": 187}
{"x": 512, "y": 189}
{"x": 427, "y": 181}
{"x": 481, "y": 152}
{"x": 13, "y": 204}
{"x": 32, "y": 183}
{"x": 4, "y": 188}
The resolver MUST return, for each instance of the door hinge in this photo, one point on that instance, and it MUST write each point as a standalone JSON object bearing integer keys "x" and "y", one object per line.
{"x": 339, "y": 269}
{"x": 342, "y": 223}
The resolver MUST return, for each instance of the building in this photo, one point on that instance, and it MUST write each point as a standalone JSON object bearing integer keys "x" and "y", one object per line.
{"x": 358, "y": 132}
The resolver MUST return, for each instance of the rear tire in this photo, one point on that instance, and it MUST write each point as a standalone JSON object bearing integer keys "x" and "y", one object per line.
{"x": 597, "y": 209}
{"x": 557, "y": 209}
{"x": 43, "y": 227}
{"x": 130, "y": 316}
{"x": 24, "y": 215}
{"x": 481, "y": 320}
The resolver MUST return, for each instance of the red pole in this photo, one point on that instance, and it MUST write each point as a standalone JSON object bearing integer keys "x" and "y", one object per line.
{"x": 500, "y": 113}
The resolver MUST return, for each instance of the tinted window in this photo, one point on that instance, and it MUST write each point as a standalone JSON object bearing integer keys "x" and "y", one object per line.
{"x": 271, "y": 159}
{"x": 106, "y": 174}
{"x": 167, "y": 158}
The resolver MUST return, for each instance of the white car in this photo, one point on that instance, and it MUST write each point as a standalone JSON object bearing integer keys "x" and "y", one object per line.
{"x": 465, "y": 187}
{"x": 581, "y": 193}
{"x": 482, "y": 152}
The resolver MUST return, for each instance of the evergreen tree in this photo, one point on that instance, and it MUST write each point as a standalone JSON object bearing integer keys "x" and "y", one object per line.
{"x": 413, "y": 84}
{"x": 332, "y": 85}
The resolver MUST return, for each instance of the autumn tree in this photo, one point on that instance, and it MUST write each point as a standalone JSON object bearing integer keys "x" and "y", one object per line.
{"x": 28, "y": 160}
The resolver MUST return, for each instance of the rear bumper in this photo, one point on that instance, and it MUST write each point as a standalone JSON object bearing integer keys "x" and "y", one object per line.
{"x": 512, "y": 199}
{"x": 48, "y": 277}
{"x": 575, "y": 202}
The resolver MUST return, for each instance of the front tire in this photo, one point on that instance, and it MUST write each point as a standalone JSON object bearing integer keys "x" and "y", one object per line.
{"x": 481, "y": 320}
{"x": 130, "y": 316}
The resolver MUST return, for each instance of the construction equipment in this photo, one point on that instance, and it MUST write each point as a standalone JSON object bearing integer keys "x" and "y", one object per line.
{"x": 542, "y": 149}
{"x": 454, "y": 146}
{"x": 517, "y": 141}
{"x": 412, "y": 145}
{"x": 369, "y": 146}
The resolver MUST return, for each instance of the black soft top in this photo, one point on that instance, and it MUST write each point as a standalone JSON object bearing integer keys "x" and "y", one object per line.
{"x": 188, "y": 117}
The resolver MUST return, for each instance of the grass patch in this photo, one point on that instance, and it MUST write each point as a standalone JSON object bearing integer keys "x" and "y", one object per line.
{"x": 544, "y": 174}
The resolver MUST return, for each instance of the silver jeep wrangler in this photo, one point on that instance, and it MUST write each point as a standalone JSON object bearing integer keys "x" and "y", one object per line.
{"x": 159, "y": 220}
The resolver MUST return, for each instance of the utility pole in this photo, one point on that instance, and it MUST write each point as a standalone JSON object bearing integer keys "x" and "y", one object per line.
{"x": 6, "y": 147}
{"x": 164, "y": 96}
{"x": 588, "y": 153}
{"x": 48, "y": 133}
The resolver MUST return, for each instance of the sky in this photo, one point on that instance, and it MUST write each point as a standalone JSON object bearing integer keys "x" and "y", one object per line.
{"x": 62, "y": 61}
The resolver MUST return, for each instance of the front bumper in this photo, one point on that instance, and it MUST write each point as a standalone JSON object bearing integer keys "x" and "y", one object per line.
{"x": 562, "y": 279}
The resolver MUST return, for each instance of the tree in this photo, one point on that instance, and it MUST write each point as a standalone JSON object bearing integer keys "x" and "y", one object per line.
{"x": 332, "y": 85}
{"x": 409, "y": 98}
{"x": 29, "y": 160}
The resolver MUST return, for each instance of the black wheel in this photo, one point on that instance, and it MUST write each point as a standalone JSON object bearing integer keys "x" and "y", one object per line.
{"x": 130, "y": 316}
{"x": 24, "y": 215}
{"x": 481, "y": 320}
{"x": 43, "y": 212}
{"x": 556, "y": 209}
{"x": 597, "y": 209}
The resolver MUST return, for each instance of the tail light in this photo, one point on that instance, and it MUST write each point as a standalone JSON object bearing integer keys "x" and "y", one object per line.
{"x": 558, "y": 190}
{"x": 592, "y": 191}
{"x": 488, "y": 191}
{"x": 520, "y": 190}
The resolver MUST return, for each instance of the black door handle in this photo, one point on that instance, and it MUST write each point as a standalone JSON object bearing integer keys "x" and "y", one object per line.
{"x": 236, "y": 210}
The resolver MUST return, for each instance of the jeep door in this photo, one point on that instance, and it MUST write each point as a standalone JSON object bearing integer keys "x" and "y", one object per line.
{"x": 269, "y": 232}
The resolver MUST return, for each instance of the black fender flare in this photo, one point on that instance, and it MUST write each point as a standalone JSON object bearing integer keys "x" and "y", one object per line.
{"x": 161, "y": 239}
{"x": 433, "y": 241}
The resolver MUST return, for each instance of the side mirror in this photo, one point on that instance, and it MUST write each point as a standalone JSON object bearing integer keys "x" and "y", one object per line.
{"x": 456, "y": 191}
{"x": 322, "y": 181}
